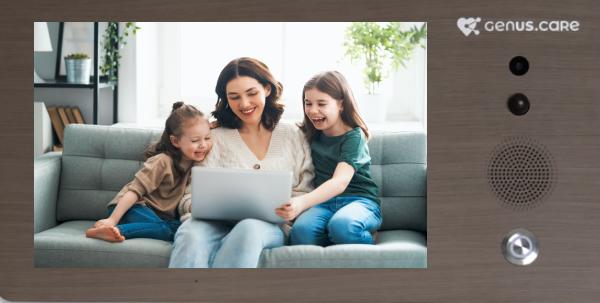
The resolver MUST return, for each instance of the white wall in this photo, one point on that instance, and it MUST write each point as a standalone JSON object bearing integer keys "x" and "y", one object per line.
{"x": 42, "y": 130}
{"x": 147, "y": 66}
{"x": 128, "y": 78}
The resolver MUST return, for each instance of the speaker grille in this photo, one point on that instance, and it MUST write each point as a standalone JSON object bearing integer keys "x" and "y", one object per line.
{"x": 520, "y": 173}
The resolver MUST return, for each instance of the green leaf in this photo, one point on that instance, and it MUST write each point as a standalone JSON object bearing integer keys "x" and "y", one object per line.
{"x": 379, "y": 49}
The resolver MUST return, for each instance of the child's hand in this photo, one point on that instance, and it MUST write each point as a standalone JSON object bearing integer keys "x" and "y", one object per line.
{"x": 106, "y": 222}
{"x": 291, "y": 210}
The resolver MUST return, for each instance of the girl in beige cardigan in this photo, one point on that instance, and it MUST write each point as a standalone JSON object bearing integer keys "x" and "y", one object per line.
{"x": 146, "y": 207}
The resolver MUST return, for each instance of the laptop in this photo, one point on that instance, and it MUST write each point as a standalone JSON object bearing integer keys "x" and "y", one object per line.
{"x": 237, "y": 194}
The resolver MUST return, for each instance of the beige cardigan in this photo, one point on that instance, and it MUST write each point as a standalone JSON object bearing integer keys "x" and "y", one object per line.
{"x": 157, "y": 185}
{"x": 288, "y": 151}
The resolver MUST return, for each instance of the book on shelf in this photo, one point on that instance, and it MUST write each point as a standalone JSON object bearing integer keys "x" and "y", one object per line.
{"x": 78, "y": 116}
{"x": 57, "y": 123}
{"x": 70, "y": 115}
{"x": 63, "y": 115}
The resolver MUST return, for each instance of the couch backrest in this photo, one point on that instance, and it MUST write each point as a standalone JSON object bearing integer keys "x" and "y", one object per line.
{"x": 399, "y": 167}
{"x": 98, "y": 161}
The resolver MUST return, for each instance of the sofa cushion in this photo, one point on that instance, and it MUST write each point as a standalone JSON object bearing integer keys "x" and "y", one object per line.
{"x": 399, "y": 167}
{"x": 46, "y": 177}
{"x": 65, "y": 246}
{"x": 97, "y": 161}
{"x": 394, "y": 249}
{"x": 404, "y": 213}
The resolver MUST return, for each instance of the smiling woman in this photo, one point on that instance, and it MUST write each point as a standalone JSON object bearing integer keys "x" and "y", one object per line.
{"x": 250, "y": 137}
{"x": 246, "y": 89}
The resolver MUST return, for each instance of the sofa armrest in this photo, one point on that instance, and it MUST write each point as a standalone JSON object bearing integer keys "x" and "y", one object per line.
{"x": 46, "y": 177}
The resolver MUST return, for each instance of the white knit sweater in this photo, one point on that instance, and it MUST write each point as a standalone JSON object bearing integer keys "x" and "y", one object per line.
{"x": 288, "y": 151}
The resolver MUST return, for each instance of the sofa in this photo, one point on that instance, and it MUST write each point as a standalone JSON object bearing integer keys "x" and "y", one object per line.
{"x": 73, "y": 187}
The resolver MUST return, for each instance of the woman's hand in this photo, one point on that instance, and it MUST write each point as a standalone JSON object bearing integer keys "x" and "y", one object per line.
{"x": 291, "y": 210}
{"x": 106, "y": 222}
{"x": 214, "y": 124}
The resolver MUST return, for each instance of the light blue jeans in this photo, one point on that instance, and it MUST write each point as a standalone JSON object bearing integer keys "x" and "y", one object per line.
{"x": 341, "y": 220}
{"x": 223, "y": 244}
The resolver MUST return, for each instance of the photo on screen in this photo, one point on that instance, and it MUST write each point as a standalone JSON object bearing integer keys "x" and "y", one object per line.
{"x": 230, "y": 145}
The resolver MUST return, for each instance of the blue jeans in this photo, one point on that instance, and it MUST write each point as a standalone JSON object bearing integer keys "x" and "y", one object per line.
{"x": 341, "y": 220}
{"x": 223, "y": 244}
{"x": 141, "y": 222}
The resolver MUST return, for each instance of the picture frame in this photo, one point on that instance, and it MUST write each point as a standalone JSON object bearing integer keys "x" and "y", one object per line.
{"x": 469, "y": 82}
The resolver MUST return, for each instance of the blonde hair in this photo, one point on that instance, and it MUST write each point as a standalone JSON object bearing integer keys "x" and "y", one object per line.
{"x": 336, "y": 86}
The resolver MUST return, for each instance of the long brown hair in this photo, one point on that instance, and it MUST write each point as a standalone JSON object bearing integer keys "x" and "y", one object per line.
{"x": 252, "y": 68}
{"x": 181, "y": 114}
{"x": 336, "y": 86}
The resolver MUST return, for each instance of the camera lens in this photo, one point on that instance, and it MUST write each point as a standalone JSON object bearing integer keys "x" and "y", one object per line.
{"x": 518, "y": 104}
{"x": 519, "y": 66}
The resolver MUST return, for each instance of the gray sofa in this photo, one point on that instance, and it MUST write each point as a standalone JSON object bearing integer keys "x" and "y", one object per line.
{"x": 72, "y": 188}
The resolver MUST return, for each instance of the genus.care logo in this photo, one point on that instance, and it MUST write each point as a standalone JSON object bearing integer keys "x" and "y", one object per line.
{"x": 469, "y": 25}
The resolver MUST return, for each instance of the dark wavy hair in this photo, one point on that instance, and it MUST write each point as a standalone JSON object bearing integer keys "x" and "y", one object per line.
{"x": 336, "y": 86}
{"x": 181, "y": 114}
{"x": 252, "y": 68}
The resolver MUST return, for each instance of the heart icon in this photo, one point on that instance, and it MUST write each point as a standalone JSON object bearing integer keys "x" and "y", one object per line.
{"x": 468, "y": 25}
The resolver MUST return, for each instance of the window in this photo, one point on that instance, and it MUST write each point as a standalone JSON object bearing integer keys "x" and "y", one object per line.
{"x": 193, "y": 54}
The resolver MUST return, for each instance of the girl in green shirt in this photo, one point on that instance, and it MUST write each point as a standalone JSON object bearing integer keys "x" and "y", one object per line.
{"x": 344, "y": 207}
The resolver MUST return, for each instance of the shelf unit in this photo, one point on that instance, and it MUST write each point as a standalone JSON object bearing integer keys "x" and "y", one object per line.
{"x": 97, "y": 82}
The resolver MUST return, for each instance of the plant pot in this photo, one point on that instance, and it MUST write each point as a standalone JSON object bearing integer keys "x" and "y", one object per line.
{"x": 78, "y": 70}
{"x": 373, "y": 108}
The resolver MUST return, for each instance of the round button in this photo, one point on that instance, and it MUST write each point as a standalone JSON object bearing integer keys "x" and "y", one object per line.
{"x": 518, "y": 104}
{"x": 520, "y": 247}
{"x": 257, "y": 166}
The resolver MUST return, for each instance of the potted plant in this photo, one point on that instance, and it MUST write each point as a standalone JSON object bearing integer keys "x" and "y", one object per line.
{"x": 110, "y": 60}
{"x": 379, "y": 50}
{"x": 78, "y": 68}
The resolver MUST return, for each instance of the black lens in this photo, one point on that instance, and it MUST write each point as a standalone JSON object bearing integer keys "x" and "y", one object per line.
{"x": 518, "y": 104}
{"x": 519, "y": 66}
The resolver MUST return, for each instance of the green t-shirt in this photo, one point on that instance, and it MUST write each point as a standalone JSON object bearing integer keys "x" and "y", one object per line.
{"x": 351, "y": 148}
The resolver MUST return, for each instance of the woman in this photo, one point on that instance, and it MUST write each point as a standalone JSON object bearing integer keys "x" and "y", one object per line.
{"x": 249, "y": 137}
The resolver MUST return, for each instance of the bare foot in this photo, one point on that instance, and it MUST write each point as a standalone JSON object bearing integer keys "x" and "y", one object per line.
{"x": 106, "y": 233}
{"x": 374, "y": 235}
